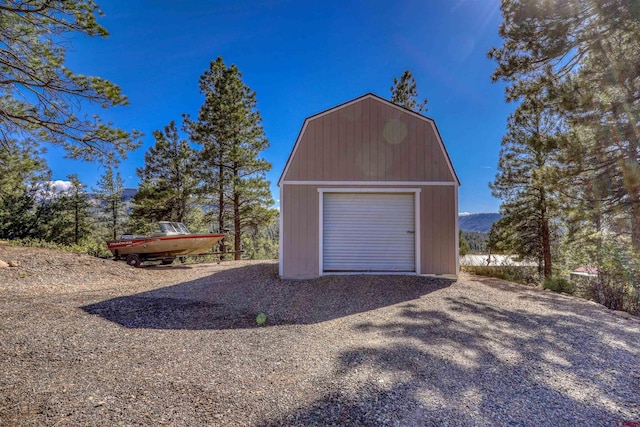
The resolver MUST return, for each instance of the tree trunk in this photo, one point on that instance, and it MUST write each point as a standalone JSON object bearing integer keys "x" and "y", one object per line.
{"x": 221, "y": 208}
{"x": 114, "y": 217}
{"x": 237, "y": 241}
{"x": 545, "y": 235}
{"x": 237, "y": 244}
{"x": 181, "y": 199}
{"x": 546, "y": 248}
{"x": 635, "y": 225}
{"x": 631, "y": 176}
{"x": 540, "y": 266}
{"x": 77, "y": 215}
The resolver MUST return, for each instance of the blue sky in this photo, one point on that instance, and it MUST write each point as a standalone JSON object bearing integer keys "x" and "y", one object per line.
{"x": 301, "y": 58}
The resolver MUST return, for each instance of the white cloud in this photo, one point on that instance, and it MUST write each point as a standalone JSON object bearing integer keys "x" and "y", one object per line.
{"x": 60, "y": 186}
{"x": 463, "y": 213}
{"x": 53, "y": 188}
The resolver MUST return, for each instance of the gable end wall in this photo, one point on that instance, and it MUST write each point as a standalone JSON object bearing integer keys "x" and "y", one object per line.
{"x": 369, "y": 141}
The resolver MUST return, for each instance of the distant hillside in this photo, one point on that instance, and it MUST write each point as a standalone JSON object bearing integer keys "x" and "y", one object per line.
{"x": 476, "y": 240}
{"x": 127, "y": 199}
{"x": 128, "y": 193}
{"x": 478, "y": 222}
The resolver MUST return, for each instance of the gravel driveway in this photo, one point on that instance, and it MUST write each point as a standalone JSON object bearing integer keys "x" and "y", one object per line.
{"x": 90, "y": 342}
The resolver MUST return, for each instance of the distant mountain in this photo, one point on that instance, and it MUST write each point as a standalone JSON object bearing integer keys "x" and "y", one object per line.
{"x": 128, "y": 193}
{"x": 127, "y": 199}
{"x": 478, "y": 222}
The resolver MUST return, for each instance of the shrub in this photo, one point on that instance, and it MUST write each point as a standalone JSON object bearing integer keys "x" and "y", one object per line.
{"x": 611, "y": 290}
{"x": 559, "y": 284}
{"x": 97, "y": 248}
{"x": 518, "y": 274}
{"x": 617, "y": 285}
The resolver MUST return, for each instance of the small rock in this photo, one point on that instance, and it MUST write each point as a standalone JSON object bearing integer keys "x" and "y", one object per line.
{"x": 14, "y": 263}
{"x": 3, "y": 264}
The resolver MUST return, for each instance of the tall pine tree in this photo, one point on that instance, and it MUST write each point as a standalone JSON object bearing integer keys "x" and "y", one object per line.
{"x": 110, "y": 188}
{"x": 604, "y": 110}
{"x": 592, "y": 48}
{"x": 168, "y": 181}
{"x": 77, "y": 202}
{"x": 526, "y": 181}
{"x": 230, "y": 132}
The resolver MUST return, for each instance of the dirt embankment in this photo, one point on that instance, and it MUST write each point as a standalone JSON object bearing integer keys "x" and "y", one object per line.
{"x": 50, "y": 269}
{"x": 43, "y": 270}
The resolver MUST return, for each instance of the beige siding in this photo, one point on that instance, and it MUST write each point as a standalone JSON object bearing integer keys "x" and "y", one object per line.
{"x": 368, "y": 141}
{"x": 301, "y": 216}
{"x": 300, "y": 221}
{"x": 438, "y": 230}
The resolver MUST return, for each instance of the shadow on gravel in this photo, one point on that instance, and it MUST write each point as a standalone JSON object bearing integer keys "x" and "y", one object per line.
{"x": 233, "y": 298}
{"x": 477, "y": 364}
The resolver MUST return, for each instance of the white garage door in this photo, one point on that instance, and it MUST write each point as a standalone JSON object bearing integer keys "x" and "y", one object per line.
{"x": 368, "y": 232}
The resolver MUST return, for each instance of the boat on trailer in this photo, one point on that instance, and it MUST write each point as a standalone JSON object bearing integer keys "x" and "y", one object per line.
{"x": 170, "y": 241}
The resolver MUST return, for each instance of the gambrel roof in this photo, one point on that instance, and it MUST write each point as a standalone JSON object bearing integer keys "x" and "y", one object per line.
{"x": 392, "y": 123}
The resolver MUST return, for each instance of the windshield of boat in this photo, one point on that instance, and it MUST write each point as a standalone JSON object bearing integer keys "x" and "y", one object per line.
{"x": 167, "y": 228}
{"x": 181, "y": 227}
{"x": 171, "y": 228}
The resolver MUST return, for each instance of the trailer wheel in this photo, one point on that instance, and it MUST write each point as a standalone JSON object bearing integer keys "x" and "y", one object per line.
{"x": 167, "y": 261}
{"x": 183, "y": 259}
{"x": 133, "y": 260}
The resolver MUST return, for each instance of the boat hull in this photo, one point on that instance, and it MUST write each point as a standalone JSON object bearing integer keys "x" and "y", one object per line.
{"x": 165, "y": 246}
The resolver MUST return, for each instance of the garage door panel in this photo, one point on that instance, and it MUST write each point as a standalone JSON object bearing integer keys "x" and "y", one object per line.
{"x": 368, "y": 232}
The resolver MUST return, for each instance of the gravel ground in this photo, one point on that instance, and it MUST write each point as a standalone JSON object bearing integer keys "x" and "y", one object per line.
{"x": 93, "y": 342}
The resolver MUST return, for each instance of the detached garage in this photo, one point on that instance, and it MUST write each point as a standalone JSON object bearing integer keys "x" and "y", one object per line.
{"x": 368, "y": 189}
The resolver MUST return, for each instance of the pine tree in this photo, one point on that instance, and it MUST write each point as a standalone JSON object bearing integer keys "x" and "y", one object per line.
{"x": 23, "y": 174}
{"x": 592, "y": 50}
{"x": 77, "y": 201}
{"x": 55, "y": 218}
{"x": 476, "y": 240}
{"x": 39, "y": 95}
{"x": 464, "y": 245}
{"x": 232, "y": 138}
{"x": 168, "y": 181}
{"x": 404, "y": 93}
{"x": 604, "y": 112}
{"x": 526, "y": 180}
{"x": 109, "y": 193}
{"x": 261, "y": 242}
{"x": 212, "y": 133}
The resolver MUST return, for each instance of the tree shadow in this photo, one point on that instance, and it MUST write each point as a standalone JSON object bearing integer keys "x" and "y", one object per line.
{"x": 474, "y": 363}
{"x": 233, "y": 298}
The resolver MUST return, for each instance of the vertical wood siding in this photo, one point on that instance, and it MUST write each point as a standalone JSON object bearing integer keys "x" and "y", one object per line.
{"x": 368, "y": 141}
{"x": 300, "y": 205}
{"x": 300, "y": 221}
{"x": 438, "y": 230}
